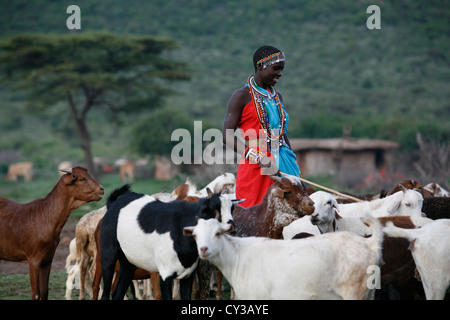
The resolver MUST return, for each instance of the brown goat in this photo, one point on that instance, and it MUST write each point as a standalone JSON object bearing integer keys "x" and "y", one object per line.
{"x": 30, "y": 232}
{"x": 285, "y": 201}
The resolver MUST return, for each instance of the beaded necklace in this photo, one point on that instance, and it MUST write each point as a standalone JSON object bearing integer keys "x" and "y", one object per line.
{"x": 260, "y": 100}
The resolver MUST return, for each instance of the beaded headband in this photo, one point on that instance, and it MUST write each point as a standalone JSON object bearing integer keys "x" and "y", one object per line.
{"x": 272, "y": 59}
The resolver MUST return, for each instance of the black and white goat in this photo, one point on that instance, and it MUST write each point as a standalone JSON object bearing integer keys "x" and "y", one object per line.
{"x": 143, "y": 232}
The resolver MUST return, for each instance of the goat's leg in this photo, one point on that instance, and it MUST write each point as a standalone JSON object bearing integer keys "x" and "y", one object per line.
{"x": 186, "y": 287}
{"x": 44, "y": 276}
{"x": 97, "y": 276}
{"x": 84, "y": 261}
{"x": 154, "y": 278}
{"x": 219, "y": 294}
{"x": 34, "y": 281}
{"x": 125, "y": 279}
{"x": 166, "y": 287}
{"x": 108, "y": 264}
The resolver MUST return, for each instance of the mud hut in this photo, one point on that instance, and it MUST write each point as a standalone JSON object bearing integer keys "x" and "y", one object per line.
{"x": 335, "y": 155}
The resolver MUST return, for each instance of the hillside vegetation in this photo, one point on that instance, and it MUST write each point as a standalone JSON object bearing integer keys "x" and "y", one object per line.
{"x": 387, "y": 83}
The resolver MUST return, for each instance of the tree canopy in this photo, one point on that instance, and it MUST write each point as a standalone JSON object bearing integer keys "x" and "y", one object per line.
{"x": 90, "y": 70}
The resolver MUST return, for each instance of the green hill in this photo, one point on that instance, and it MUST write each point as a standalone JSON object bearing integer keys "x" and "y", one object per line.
{"x": 386, "y": 83}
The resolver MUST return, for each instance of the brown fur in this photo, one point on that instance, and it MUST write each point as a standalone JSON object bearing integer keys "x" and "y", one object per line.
{"x": 258, "y": 219}
{"x": 30, "y": 232}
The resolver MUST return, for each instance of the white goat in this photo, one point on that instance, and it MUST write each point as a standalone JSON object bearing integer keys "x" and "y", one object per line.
{"x": 331, "y": 266}
{"x": 224, "y": 183}
{"x": 403, "y": 203}
{"x": 430, "y": 247}
{"x": 326, "y": 218}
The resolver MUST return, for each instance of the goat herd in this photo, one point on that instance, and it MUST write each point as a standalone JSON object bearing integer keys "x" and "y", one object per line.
{"x": 297, "y": 243}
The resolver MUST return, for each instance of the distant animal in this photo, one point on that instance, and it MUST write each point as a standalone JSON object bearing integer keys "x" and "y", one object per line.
{"x": 20, "y": 169}
{"x": 30, "y": 232}
{"x": 127, "y": 171}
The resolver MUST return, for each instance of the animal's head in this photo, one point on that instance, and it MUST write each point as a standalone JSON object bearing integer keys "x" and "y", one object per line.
{"x": 408, "y": 184}
{"x": 326, "y": 208}
{"x": 289, "y": 195}
{"x": 219, "y": 206}
{"x": 80, "y": 185}
{"x": 207, "y": 234}
{"x": 224, "y": 183}
{"x": 406, "y": 203}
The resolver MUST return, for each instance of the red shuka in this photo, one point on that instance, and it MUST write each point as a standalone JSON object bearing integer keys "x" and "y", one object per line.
{"x": 250, "y": 183}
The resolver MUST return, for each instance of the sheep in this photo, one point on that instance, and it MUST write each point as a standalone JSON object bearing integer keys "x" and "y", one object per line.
{"x": 143, "y": 232}
{"x": 30, "y": 232}
{"x": 330, "y": 266}
{"x": 430, "y": 247}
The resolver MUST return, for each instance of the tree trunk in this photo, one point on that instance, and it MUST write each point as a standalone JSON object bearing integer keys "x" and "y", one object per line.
{"x": 83, "y": 133}
{"x": 86, "y": 146}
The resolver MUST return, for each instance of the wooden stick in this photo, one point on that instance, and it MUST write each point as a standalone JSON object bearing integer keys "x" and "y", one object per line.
{"x": 324, "y": 188}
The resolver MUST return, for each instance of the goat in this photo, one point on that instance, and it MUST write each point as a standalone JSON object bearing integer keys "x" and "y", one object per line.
{"x": 430, "y": 247}
{"x": 85, "y": 247}
{"x": 143, "y": 232}
{"x": 30, "y": 232}
{"x": 436, "y": 207}
{"x": 436, "y": 190}
{"x": 285, "y": 201}
{"x": 402, "y": 203}
{"x": 329, "y": 266}
{"x": 127, "y": 171}
{"x": 397, "y": 272}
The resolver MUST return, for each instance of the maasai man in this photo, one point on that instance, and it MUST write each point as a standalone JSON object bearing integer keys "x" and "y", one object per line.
{"x": 257, "y": 110}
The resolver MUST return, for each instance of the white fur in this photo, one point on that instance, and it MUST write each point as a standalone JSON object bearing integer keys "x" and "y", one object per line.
{"x": 402, "y": 203}
{"x": 430, "y": 247}
{"x": 330, "y": 266}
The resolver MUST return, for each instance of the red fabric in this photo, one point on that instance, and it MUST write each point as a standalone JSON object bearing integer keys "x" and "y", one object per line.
{"x": 250, "y": 184}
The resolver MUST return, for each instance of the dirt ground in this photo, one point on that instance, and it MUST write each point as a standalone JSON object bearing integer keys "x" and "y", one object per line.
{"x": 59, "y": 260}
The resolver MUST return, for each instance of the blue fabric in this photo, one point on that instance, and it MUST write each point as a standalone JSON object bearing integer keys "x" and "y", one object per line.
{"x": 286, "y": 159}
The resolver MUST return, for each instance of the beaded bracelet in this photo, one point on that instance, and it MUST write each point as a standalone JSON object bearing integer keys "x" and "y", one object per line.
{"x": 254, "y": 156}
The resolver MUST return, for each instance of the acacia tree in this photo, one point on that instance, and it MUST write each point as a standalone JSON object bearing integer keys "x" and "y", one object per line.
{"x": 90, "y": 70}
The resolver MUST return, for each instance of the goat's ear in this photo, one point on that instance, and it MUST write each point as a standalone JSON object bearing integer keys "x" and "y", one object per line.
{"x": 336, "y": 210}
{"x": 227, "y": 229}
{"x": 279, "y": 193}
{"x": 210, "y": 193}
{"x": 69, "y": 179}
{"x": 188, "y": 231}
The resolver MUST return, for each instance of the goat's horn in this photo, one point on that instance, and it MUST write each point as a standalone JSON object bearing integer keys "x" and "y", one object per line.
{"x": 275, "y": 178}
{"x": 66, "y": 170}
{"x": 210, "y": 193}
{"x": 403, "y": 187}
